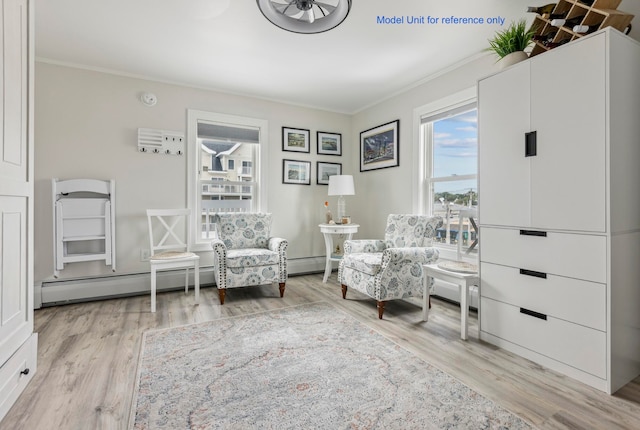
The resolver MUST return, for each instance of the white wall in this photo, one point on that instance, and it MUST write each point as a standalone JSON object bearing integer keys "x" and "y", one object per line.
{"x": 86, "y": 127}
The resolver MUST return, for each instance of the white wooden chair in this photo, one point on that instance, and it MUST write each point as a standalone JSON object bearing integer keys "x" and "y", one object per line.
{"x": 168, "y": 239}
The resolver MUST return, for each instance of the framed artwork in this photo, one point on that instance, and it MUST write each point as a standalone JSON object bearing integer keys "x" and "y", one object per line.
{"x": 379, "y": 147}
{"x": 295, "y": 139}
{"x": 324, "y": 170}
{"x": 329, "y": 143}
{"x": 296, "y": 172}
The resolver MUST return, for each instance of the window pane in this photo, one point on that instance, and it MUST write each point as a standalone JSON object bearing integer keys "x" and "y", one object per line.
{"x": 225, "y": 187}
{"x": 450, "y": 198}
{"x": 455, "y": 145}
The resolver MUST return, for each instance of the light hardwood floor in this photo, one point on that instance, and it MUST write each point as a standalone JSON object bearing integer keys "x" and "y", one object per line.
{"x": 88, "y": 355}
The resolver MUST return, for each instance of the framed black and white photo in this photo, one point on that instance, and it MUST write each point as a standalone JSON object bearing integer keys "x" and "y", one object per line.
{"x": 295, "y": 139}
{"x": 379, "y": 147}
{"x": 329, "y": 143}
{"x": 324, "y": 170}
{"x": 296, "y": 172}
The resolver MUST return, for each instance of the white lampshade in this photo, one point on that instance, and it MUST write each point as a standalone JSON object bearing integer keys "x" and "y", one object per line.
{"x": 341, "y": 185}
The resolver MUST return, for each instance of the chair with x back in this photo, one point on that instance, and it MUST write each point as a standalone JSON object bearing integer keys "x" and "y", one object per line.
{"x": 168, "y": 237}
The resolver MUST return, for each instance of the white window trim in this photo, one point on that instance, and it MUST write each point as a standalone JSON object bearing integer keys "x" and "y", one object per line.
{"x": 192, "y": 151}
{"x": 421, "y": 169}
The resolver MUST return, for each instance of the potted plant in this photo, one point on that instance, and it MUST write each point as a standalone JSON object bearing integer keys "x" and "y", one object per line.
{"x": 509, "y": 44}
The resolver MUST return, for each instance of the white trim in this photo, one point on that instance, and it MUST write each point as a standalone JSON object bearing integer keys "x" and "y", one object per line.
{"x": 420, "y": 169}
{"x": 193, "y": 194}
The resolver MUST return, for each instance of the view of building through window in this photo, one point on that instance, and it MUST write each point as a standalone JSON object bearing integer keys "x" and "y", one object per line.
{"x": 227, "y": 180}
{"x": 453, "y": 183}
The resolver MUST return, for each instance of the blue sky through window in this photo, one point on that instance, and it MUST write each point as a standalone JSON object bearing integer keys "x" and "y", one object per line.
{"x": 455, "y": 151}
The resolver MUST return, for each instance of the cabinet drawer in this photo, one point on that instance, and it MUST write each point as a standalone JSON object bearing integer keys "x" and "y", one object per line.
{"x": 572, "y": 344}
{"x": 573, "y": 300}
{"x": 12, "y": 382}
{"x": 579, "y": 256}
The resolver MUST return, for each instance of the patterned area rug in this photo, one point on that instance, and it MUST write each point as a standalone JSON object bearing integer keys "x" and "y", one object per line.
{"x": 304, "y": 367}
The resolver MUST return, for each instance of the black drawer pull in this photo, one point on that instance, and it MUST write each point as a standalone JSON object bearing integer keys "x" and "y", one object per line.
{"x": 533, "y": 314}
{"x": 533, "y": 273}
{"x": 533, "y": 233}
{"x": 531, "y": 144}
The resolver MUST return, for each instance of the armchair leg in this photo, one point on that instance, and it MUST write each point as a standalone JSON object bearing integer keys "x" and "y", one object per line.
{"x": 380, "y": 309}
{"x": 221, "y": 293}
{"x": 281, "y": 289}
{"x": 344, "y": 291}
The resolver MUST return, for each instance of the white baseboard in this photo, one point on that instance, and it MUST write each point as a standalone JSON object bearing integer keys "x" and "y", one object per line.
{"x": 56, "y": 292}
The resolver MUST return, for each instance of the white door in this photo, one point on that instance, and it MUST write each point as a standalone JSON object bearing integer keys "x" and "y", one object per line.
{"x": 17, "y": 341}
{"x": 504, "y": 176}
{"x": 568, "y": 111}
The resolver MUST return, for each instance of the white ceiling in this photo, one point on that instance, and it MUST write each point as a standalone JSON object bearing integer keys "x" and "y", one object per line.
{"x": 229, "y": 45}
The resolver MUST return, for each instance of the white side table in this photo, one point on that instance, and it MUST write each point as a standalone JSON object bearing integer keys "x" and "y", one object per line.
{"x": 463, "y": 280}
{"x": 328, "y": 230}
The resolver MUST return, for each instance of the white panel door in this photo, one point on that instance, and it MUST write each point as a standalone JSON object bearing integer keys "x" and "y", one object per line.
{"x": 17, "y": 340}
{"x": 568, "y": 111}
{"x": 503, "y": 115}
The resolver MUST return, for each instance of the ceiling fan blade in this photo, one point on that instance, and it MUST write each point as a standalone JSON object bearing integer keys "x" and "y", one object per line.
{"x": 286, "y": 9}
{"x": 324, "y": 6}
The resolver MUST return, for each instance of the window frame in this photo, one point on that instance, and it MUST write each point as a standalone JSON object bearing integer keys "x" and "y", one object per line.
{"x": 422, "y": 169}
{"x": 194, "y": 193}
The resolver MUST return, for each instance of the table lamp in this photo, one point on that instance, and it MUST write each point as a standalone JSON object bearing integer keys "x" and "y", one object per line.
{"x": 341, "y": 185}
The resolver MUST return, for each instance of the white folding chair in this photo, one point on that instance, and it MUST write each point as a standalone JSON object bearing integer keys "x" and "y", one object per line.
{"x": 168, "y": 237}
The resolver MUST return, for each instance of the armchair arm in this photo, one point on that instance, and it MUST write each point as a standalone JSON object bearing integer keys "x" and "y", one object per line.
{"x": 219, "y": 262}
{"x": 401, "y": 271}
{"x": 278, "y": 244}
{"x": 353, "y": 246}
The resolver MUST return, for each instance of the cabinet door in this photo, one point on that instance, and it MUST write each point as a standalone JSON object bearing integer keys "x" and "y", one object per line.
{"x": 503, "y": 115}
{"x": 16, "y": 200}
{"x": 568, "y": 112}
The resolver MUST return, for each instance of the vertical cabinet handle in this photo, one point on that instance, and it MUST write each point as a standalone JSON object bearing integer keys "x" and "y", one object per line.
{"x": 530, "y": 144}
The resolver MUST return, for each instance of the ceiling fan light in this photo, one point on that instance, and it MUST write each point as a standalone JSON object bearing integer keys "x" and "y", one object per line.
{"x": 316, "y": 17}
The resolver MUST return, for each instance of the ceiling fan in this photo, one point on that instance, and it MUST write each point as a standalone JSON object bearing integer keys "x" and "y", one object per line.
{"x": 305, "y": 16}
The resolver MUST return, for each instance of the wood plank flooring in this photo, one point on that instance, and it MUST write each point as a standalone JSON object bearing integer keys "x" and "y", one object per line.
{"x": 88, "y": 355}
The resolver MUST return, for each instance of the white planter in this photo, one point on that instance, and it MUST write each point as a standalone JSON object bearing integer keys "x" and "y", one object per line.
{"x": 513, "y": 58}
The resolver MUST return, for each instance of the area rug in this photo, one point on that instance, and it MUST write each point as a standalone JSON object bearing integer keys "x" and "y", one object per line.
{"x": 303, "y": 367}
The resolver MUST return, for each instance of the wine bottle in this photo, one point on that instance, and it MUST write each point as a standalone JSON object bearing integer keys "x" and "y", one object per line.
{"x": 542, "y": 10}
{"x": 570, "y": 23}
{"x": 585, "y": 29}
{"x": 545, "y": 38}
{"x": 587, "y": 2}
{"x": 552, "y": 45}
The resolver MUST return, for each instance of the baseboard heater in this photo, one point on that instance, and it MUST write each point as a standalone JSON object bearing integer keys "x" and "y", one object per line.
{"x": 65, "y": 291}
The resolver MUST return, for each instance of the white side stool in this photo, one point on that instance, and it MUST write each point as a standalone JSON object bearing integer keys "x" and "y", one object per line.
{"x": 463, "y": 279}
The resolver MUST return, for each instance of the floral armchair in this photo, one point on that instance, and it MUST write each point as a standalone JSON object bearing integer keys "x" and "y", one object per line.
{"x": 245, "y": 254}
{"x": 391, "y": 268}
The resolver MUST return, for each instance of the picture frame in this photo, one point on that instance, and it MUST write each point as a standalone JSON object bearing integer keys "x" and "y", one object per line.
{"x": 296, "y": 172}
{"x": 295, "y": 139}
{"x": 324, "y": 170}
{"x": 379, "y": 148}
{"x": 329, "y": 143}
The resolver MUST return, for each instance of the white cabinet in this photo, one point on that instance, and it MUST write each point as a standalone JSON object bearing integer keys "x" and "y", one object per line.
{"x": 559, "y": 222}
{"x": 561, "y": 108}
{"x": 18, "y": 343}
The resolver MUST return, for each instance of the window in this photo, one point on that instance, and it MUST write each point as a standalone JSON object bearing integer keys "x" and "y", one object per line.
{"x": 217, "y": 144}
{"x": 448, "y": 177}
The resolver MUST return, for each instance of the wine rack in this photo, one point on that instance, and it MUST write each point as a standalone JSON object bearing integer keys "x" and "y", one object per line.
{"x": 596, "y": 14}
